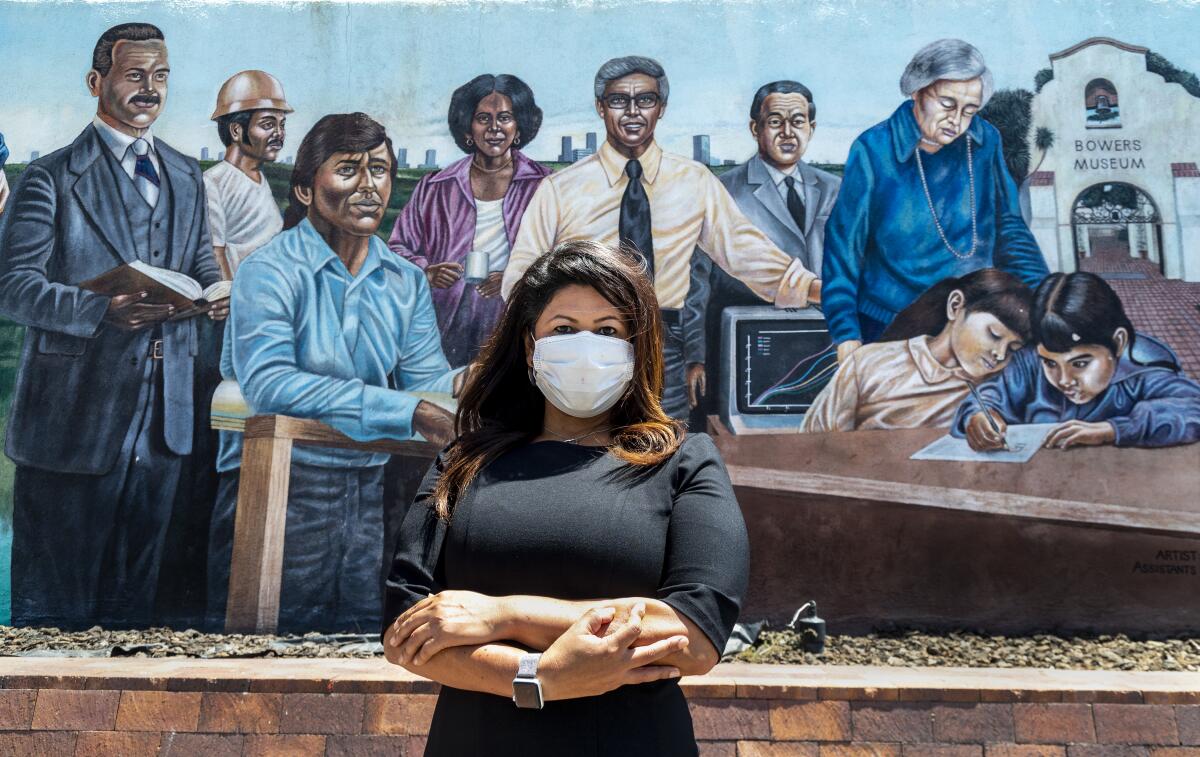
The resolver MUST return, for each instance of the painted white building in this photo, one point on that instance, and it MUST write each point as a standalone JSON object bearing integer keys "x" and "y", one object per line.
{"x": 1125, "y": 153}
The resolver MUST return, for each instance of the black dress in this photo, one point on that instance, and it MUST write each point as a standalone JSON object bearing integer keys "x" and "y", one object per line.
{"x": 572, "y": 522}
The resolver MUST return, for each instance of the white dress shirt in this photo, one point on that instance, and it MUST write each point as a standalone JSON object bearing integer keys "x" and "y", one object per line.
{"x": 120, "y": 145}
{"x": 689, "y": 208}
{"x": 778, "y": 177}
{"x": 889, "y": 385}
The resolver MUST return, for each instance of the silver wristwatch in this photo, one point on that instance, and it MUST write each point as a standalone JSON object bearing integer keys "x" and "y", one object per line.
{"x": 527, "y": 689}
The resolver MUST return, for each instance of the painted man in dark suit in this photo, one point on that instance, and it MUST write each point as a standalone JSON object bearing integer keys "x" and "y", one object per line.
{"x": 786, "y": 198}
{"x": 102, "y": 413}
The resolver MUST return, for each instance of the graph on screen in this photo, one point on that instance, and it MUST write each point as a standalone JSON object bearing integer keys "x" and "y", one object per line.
{"x": 782, "y": 365}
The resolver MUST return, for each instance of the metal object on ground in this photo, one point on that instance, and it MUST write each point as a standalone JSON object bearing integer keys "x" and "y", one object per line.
{"x": 809, "y": 627}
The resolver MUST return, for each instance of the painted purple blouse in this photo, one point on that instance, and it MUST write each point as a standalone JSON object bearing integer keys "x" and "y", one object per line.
{"x": 438, "y": 226}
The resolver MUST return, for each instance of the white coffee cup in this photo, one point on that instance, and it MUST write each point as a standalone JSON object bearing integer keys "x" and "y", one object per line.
{"x": 476, "y": 267}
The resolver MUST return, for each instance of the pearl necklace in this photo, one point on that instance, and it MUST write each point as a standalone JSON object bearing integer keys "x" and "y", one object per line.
{"x": 929, "y": 200}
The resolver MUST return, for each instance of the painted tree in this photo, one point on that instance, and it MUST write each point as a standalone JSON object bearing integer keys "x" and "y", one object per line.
{"x": 1155, "y": 64}
{"x": 1009, "y": 111}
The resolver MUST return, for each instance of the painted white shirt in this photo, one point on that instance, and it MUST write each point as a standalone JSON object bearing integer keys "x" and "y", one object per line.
{"x": 242, "y": 213}
{"x": 119, "y": 144}
{"x": 889, "y": 385}
{"x": 778, "y": 177}
{"x": 689, "y": 208}
{"x": 490, "y": 236}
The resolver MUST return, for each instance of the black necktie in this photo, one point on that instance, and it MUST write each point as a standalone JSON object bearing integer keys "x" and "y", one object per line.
{"x": 794, "y": 203}
{"x": 634, "y": 226}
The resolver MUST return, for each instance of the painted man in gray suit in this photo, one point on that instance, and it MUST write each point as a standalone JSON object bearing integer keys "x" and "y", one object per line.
{"x": 786, "y": 198}
{"x": 102, "y": 414}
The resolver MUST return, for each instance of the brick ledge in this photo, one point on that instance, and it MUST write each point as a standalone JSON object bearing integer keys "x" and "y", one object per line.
{"x": 726, "y": 681}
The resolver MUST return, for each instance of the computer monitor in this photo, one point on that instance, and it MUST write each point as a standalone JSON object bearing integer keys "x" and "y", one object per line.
{"x": 773, "y": 364}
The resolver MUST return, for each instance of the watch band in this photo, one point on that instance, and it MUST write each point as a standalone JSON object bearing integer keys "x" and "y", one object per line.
{"x": 527, "y": 689}
{"x": 527, "y": 665}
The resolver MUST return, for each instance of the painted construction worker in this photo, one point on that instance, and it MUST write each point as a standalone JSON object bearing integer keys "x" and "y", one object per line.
{"x": 251, "y": 116}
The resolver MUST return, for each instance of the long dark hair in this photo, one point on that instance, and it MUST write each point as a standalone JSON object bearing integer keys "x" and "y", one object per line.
{"x": 1072, "y": 309}
{"x": 988, "y": 290}
{"x": 334, "y": 133}
{"x": 501, "y": 408}
{"x": 466, "y": 98}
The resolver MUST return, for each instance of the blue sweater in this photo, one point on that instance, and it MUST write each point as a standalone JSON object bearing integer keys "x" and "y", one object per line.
{"x": 882, "y": 250}
{"x": 1147, "y": 406}
{"x": 3, "y": 152}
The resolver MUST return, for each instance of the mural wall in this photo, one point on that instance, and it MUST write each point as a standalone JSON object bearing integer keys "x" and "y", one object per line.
{"x": 962, "y": 308}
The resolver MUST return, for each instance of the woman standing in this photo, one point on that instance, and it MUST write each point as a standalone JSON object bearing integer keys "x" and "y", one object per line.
{"x": 473, "y": 205}
{"x": 926, "y": 196}
{"x": 572, "y": 552}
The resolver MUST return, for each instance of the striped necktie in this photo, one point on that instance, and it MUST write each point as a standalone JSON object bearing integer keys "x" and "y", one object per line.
{"x": 145, "y": 178}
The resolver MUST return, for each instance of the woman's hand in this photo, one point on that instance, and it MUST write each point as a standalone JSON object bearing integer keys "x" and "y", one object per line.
{"x": 980, "y": 434}
{"x": 443, "y": 275}
{"x": 595, "y": 656}
{"x": 1080, "y": 434}
{"x": 446, "y": 619}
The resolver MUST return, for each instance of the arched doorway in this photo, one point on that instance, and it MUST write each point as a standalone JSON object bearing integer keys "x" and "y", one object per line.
{"x": 1117, "y": 230}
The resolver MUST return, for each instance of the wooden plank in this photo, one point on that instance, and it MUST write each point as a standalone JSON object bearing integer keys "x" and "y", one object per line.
{"x": 310, "y": 432}
{"x": 256, "y": 570}
{"x": 991, "y": 502}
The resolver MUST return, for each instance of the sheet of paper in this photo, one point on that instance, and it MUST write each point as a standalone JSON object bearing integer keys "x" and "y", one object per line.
{"x": 1023, "y": 442}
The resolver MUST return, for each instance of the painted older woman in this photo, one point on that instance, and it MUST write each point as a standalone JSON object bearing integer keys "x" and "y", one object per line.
{"x": 466, "y": 215}
{"x": 926, "y": 196}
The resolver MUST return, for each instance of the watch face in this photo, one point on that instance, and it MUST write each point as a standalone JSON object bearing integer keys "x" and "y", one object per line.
{"x": 527, "y": 694}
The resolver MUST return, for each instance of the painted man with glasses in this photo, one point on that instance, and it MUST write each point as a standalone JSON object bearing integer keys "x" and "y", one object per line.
{"x": 788, "y": 199}
{"x": 661, "y": 204}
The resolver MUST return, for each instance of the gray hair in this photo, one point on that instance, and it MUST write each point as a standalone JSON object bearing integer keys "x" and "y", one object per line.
{"x": 950, "y": 59}
{"x": 618, "y": 68}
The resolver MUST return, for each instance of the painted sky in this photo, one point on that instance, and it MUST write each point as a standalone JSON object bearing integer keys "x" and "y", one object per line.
{"x": 400, "y": 61}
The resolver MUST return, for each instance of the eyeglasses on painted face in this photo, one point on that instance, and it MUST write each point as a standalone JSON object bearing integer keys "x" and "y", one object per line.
{"x": 777, "y": 122}
{"x": 644, "y": 101}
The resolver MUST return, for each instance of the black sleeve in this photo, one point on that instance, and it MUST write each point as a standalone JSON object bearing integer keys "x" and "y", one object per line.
{"x": 418, "y": 546}
{"x": 708, "y": 554}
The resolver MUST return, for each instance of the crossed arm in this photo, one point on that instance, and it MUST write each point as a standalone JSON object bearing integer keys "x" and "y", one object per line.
{"x": 472, "y": 641}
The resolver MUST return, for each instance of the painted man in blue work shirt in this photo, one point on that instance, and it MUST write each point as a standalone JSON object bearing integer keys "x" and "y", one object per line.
{"x": 323, "y": 318}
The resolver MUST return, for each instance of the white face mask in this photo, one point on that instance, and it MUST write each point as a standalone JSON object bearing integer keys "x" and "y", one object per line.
{"x": 582, "y": 374}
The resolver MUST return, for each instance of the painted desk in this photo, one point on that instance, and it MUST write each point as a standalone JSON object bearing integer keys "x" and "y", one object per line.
{"x": 1090, "y": 539}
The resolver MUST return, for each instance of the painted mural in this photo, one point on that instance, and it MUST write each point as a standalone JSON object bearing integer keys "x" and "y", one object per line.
{"x": 217, "y": 213}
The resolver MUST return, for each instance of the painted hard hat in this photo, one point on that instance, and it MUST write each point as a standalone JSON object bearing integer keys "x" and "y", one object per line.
{"x": 250, "y": 90}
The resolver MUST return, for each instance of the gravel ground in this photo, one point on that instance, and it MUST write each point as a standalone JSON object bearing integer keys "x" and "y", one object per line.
{"x": 912, "y": 649}
{"x": 165, "y": 642}
{"x": 915, "y": 649}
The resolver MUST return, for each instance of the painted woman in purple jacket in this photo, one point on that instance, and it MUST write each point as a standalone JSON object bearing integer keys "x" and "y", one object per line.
{"x": 473, "y": 206}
